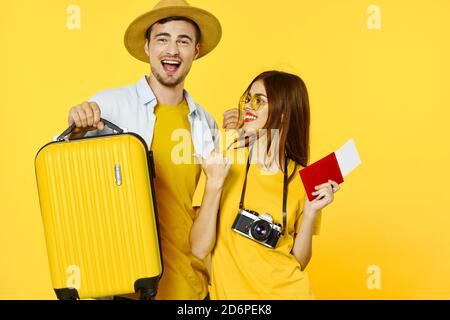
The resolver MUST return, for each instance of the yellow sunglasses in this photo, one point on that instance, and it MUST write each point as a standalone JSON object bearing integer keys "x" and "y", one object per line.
{"x": 256, "y": 102}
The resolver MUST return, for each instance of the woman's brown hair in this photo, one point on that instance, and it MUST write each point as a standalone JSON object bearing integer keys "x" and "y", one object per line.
{"x": 288, "y": 111}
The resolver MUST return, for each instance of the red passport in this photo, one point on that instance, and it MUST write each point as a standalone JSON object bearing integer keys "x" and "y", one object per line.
{"x": 320, "y": 172}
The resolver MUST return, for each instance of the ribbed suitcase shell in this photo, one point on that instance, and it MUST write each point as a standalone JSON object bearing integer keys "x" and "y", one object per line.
{"x": 108, "y": 231}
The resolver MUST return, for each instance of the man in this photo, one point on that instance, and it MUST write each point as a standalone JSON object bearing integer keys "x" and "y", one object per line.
{"x": 169, "y": 37}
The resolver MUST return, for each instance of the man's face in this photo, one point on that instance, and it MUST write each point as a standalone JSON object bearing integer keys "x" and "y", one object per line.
{"x": 171, "y": 50}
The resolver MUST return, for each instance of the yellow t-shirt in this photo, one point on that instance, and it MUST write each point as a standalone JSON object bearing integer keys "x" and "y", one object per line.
{"x": 241, "y": 267}
{"x": 184, "y": 276}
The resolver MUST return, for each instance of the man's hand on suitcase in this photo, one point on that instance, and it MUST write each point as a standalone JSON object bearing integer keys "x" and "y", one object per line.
{"x": 86, "y": 117}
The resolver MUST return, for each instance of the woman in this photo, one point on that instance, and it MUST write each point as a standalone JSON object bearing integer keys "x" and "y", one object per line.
{"x": 245, "y": 262}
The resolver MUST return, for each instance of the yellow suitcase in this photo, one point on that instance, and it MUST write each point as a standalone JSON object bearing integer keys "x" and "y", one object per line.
{"x": 99, "y": 214}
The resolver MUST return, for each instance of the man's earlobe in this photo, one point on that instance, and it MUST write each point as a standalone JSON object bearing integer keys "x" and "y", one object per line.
{"x": 197, "y": 51}
{"x": 146, "y": 47}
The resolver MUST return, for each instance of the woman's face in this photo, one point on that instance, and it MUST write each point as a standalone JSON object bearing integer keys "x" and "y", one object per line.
{"x": 255, "y": 107}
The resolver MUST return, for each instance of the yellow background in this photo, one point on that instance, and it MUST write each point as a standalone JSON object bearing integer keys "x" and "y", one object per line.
{"x": 388, "y": 89}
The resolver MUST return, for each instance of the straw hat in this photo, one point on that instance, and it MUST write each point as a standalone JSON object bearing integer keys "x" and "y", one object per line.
{"x": 209, "y": 25}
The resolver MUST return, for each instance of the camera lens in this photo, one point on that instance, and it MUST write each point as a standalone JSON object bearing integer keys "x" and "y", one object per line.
{"x": 260, "y": 230}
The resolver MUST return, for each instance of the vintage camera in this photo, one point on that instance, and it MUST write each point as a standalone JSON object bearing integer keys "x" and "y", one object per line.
{"x": 257, "y": 227}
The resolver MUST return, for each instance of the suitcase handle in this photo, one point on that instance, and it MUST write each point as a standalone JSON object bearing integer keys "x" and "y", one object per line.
{"x": 69, "y": 130}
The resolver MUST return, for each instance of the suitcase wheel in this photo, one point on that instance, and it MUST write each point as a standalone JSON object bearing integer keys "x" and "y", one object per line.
{"x": 67, "y": 294}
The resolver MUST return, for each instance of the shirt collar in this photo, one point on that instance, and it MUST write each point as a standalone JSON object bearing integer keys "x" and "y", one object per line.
{"x": 144, "y": 91}
{"x": 146, "y": 95}
{"x": 192, "y": 105}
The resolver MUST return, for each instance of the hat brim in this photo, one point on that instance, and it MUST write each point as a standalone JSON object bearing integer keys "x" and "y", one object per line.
{"x": 211, "y": 31}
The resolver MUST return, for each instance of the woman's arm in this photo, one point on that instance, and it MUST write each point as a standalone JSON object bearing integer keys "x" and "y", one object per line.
{"x": 302, "y": 249}
{"x": 203, "y": 231}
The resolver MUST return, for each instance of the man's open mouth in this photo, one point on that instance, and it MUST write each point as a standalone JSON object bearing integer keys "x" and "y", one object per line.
{"x": 170, "y": 66}
{"x": 250, "y": 117}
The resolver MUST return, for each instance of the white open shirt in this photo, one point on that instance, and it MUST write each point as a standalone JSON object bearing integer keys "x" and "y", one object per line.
{"x": 132, "y": 107}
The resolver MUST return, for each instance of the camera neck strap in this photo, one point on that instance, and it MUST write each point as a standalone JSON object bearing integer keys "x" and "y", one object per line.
{"x": 285, "y": 188}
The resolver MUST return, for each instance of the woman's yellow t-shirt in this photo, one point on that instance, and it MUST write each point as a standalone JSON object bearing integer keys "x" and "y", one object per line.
{"x": 241, "y": 267}
{"x": 184, "y": 276}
